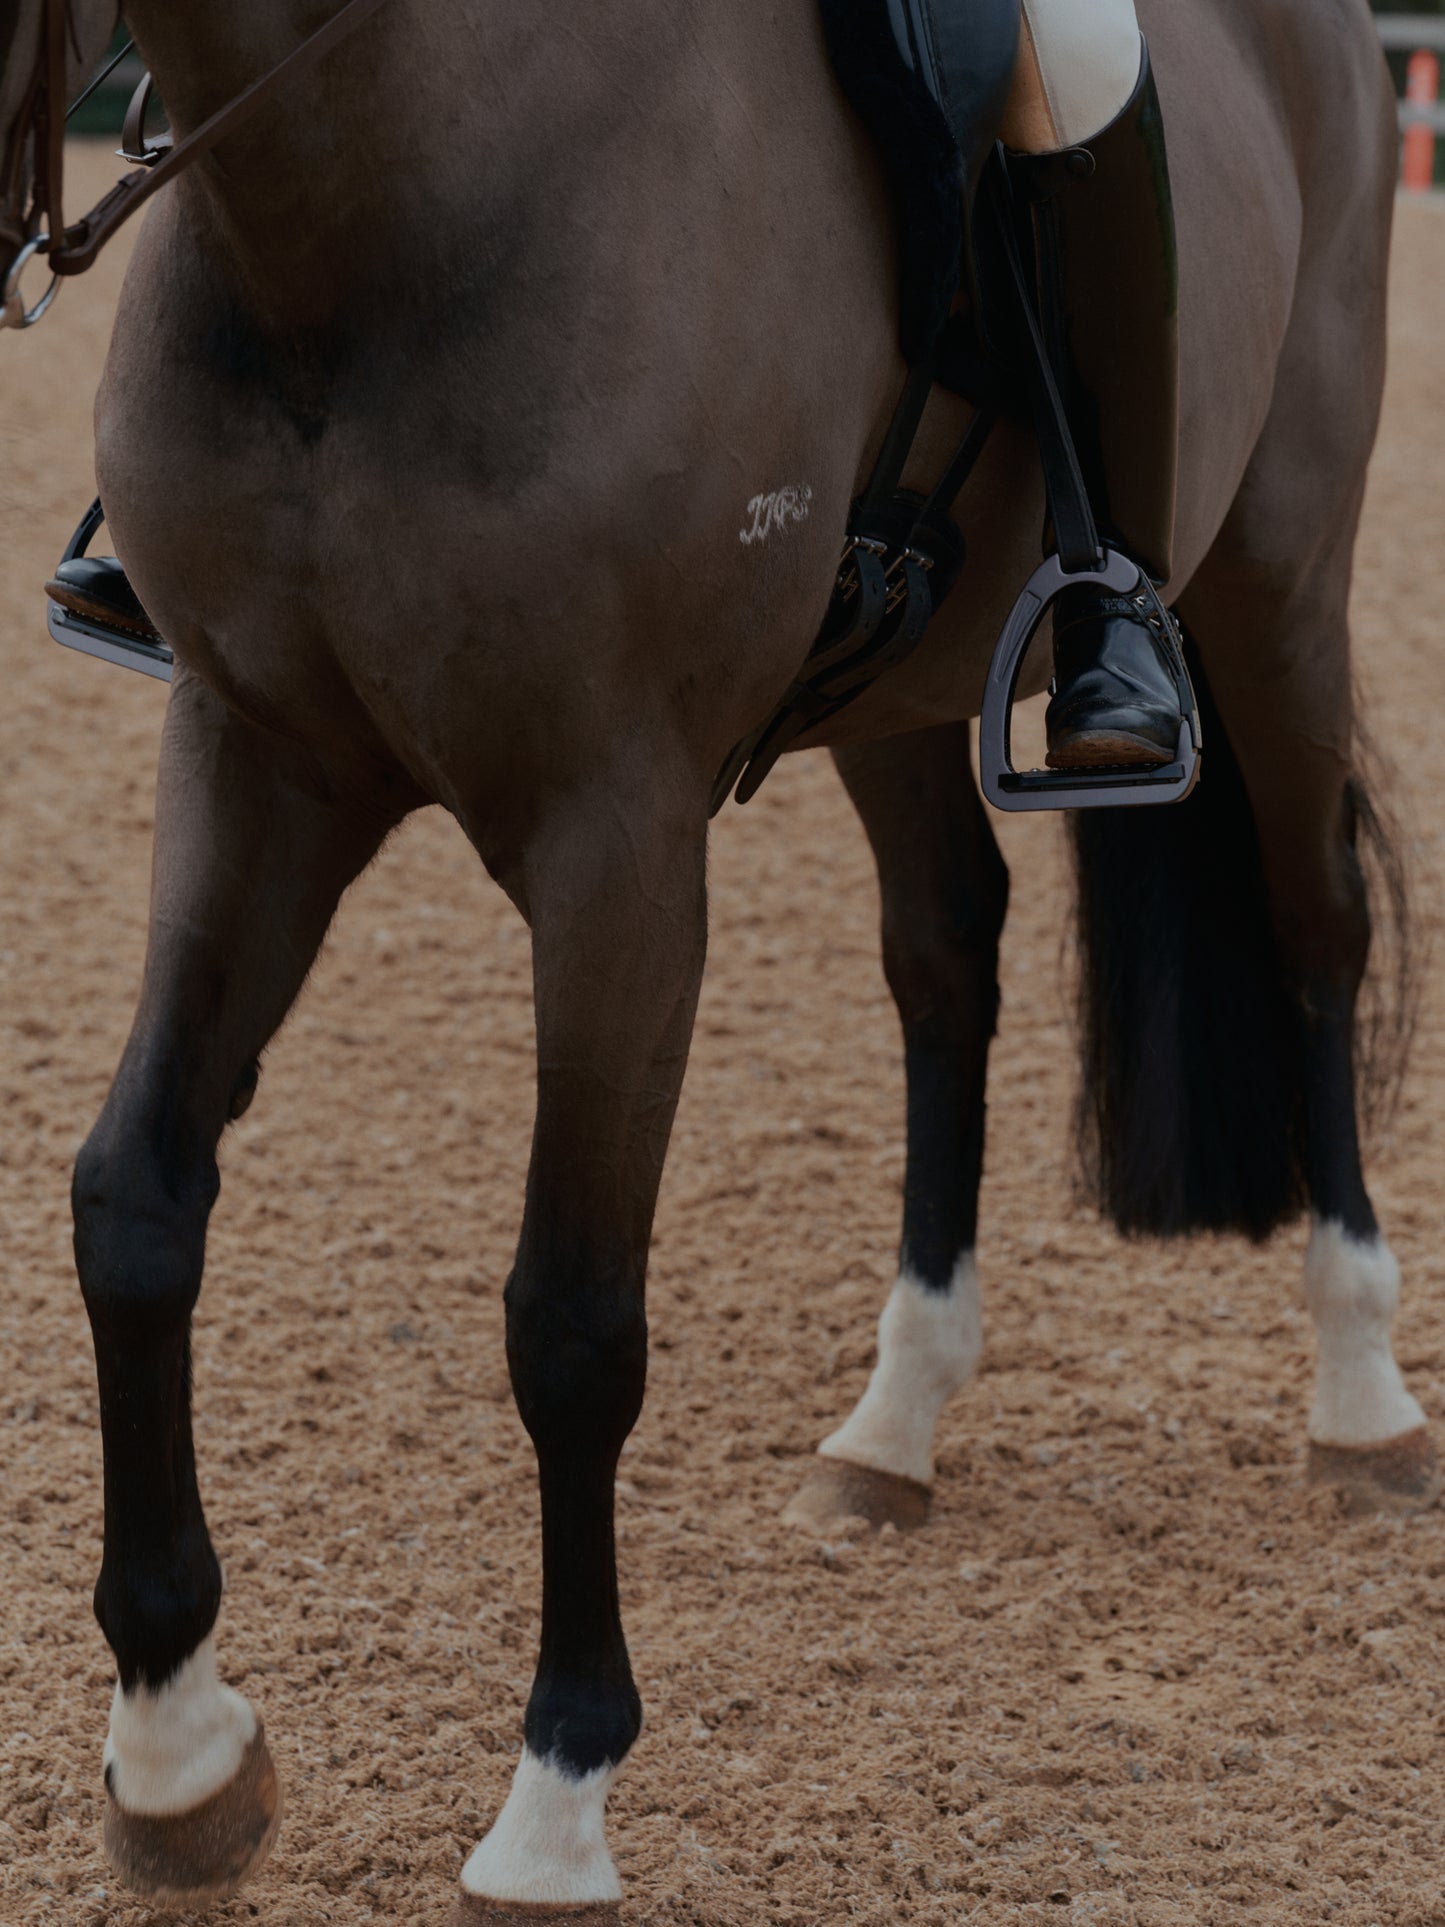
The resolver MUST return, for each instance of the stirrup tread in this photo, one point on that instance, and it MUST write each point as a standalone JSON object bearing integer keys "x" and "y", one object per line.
{"x": 1086, "y": 787}
{"x": 78, "y": 623}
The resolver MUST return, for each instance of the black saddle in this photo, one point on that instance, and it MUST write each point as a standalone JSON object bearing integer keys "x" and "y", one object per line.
{"x": 930, "y": 80}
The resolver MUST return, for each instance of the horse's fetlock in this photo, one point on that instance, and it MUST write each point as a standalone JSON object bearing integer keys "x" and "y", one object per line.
{"x": 1351, "y": 1283}
{"x": 583, "y": 1723}
{"x": 153, "y": 1620}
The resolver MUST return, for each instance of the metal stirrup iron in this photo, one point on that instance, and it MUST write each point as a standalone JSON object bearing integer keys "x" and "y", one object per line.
{"x": 1081, "y": 559}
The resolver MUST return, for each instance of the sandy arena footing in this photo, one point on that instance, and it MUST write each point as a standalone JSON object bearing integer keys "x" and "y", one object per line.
{"x": 1134, "y": 1672}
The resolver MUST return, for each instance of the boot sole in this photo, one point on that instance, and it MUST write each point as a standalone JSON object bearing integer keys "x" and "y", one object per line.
{"x": 1109, "y": 750}
{"x": 89, "y": 609}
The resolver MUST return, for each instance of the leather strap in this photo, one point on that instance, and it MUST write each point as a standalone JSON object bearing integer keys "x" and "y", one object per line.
{"x": 81, "y": 242}
{"x": 14, "y": 227}
{"x": 50, "y": 125}
{"x": 1075, "y": 532}
{"x": 133, "y": 143}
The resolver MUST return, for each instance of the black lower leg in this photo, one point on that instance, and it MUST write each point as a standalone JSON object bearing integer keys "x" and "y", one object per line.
{"x": 1323, "y": 920}
{"x": 944, "y": 891}
{"x": 249, "y": 863}
{"x": 577, "y": 1350}
{"x": 140, "y": 1270}
{"x": 1334, "y": 1178}
{"x": 618, "y": 960}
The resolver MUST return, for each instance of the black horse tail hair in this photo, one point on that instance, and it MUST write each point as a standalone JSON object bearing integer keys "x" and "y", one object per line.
{"x": 1190, "y": 1113}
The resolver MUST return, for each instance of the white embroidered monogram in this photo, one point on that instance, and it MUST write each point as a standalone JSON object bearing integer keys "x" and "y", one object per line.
{"x": 775, "y": 511}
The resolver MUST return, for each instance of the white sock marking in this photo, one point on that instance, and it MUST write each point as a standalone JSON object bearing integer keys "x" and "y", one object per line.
{"x": 929, "y": 1344}
{"x": 1352, "y": 1288}
{"x": 167, "y": 1752}
{"x": 547, "y": 1844}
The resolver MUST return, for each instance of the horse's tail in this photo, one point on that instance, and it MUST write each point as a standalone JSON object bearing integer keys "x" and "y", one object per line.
{"x": 1191, "y": 1108}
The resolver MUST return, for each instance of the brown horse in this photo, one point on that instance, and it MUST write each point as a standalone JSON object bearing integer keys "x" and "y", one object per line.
{"x": 480, "y": 425}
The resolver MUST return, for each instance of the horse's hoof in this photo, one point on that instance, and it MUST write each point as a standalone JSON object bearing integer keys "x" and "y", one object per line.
{"x": 187, "y": 1860}
{"x": 1402, "y": 1475}
{"x": 835, "y": 1490}
{"x": 472, "y": 1911}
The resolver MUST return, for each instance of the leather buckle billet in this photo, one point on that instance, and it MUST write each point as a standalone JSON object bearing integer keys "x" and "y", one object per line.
{"x": 92, "y": 637}
{"x": 1080, "y": 789}
{"x": 135, "y": 146}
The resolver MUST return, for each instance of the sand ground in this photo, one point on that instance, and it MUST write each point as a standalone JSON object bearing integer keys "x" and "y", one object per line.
{"x": 1132, "y": 1674}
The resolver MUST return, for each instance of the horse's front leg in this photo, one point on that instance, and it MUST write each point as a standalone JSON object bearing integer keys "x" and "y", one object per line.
{"x": 249, "y": 863}
{"x": 616, "y": 896}
{"x": 944, "y": 888}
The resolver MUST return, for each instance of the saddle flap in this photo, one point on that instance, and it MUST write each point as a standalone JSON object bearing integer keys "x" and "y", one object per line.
{"x": 930, "y": 80}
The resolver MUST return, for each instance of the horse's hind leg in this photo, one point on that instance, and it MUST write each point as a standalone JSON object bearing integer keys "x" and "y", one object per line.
{"x": 1366, "y": 1432}
{"x": 944, "y": 893}
{"x": 249, "y": 863}
{"x": 1274, "y": 633}
{"x": 614, "y": 889}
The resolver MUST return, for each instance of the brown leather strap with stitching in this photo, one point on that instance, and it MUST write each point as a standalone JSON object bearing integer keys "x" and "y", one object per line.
{"x": 82, "y": 241}
{"x": 12, "y": 186}
{"x": 50, "y": 134}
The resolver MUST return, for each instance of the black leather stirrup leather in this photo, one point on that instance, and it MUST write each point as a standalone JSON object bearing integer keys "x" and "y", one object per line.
{"x": 929, "y": 79}
{"x": 1120, "y": 378}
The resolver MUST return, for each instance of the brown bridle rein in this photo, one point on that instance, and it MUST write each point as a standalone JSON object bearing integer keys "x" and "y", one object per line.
{"x": 33, "y": 223}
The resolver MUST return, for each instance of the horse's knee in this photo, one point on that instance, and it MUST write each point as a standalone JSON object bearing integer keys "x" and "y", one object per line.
{"x": 140, "y": 1230}
{"x": 1324, "y": 939}
{"x": 577, "y": 1353}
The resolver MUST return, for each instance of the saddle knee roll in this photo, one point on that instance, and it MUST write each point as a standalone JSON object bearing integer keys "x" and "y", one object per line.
{"x": 1078, "y": 66}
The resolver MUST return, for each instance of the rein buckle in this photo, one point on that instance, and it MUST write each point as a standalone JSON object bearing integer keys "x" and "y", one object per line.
{"x": 13, "y": 311}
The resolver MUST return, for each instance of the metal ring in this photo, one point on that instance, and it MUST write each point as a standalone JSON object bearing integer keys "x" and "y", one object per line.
{"x": 13, "y": 311}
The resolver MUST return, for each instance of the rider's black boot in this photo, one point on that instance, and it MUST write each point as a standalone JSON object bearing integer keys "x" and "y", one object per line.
{"x": 95, "y": 588}
{"x": 1103, "y": 235}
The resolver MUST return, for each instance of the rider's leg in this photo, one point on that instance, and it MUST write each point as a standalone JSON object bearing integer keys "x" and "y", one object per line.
{"x": 1088, "y": 162}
